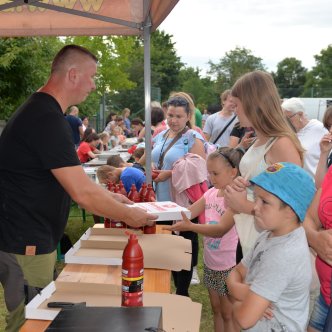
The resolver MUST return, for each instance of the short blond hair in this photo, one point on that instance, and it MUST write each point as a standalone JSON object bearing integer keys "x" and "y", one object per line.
{"x": 103, "y": 171}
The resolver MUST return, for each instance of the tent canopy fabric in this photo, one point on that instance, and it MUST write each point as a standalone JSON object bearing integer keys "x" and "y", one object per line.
{"x": 81, "y": 17}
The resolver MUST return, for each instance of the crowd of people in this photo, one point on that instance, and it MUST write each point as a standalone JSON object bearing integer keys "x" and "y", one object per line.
{"x": 255, "y": 175}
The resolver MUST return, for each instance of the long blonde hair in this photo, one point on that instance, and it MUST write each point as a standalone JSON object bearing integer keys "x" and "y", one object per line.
{"x": 261, "y": 104}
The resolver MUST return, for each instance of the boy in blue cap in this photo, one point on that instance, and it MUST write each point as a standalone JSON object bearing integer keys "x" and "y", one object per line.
{"x": 271, "y": 284}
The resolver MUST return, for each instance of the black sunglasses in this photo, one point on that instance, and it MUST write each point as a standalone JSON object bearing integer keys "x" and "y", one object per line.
{"x": 177, "y": 101}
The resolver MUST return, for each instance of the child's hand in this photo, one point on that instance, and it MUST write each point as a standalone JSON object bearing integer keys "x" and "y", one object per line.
{"x": 235, "y": 199}
{"x": 240, "y": 183}
{"x": 181, "y": 225}
{"x": 268, "y": 314}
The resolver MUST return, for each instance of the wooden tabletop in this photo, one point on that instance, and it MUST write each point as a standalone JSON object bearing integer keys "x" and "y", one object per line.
{"x": 155, "y": 280}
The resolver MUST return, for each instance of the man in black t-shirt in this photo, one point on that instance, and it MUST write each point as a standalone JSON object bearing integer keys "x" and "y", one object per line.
{"x": 39, "y": 175}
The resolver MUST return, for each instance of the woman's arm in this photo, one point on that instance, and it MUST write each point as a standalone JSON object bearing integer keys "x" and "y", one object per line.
{"x": 198, "y": 148}
{"x": 163, "y": 175}
{"x": 320, "y": 240}
{"x": 325, "y": 149}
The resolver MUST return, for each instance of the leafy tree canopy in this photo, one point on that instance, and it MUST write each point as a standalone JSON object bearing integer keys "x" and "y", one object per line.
{"x": 319, "y": 80}
{"x": 234, "y": 64}
{"x": 290, "y": 77}
{"x": 24, "y": 67}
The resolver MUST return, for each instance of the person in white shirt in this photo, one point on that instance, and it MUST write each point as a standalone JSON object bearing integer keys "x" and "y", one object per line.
{"x": 216, "y": 122}
{"x": 309, "y": 132}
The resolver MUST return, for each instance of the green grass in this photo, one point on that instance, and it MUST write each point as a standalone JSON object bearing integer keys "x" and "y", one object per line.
{"x": 75, "y": 228}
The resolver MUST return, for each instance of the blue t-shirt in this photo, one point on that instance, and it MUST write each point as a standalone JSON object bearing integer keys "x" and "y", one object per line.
{"x": 75, "y": 123}
{"x": 132, "y": 175}
{"x": 178, "y": 150}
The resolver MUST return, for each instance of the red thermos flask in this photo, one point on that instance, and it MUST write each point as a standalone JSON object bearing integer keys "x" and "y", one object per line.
{"x": 132, "y": 273}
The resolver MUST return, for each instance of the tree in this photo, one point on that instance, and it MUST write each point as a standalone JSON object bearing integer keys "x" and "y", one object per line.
{"x": 233, "y": 65}
{"x": 290, "y": 77}
{"x": 113, "y": 54}
{"x": 201, "y": 88}
{"x": 165, "y": 67}
{"x": 319, "y": 79}
{"x": 24, "y": 67}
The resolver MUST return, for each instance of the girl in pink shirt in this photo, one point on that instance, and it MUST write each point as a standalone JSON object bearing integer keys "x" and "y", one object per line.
{"x": 219, "y": 253}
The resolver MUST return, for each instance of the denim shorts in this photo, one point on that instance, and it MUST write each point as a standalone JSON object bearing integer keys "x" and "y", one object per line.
{"x": 319, "y": 314}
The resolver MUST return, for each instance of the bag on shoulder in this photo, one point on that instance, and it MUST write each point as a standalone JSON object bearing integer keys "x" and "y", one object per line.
{"x": 211, "y": 147}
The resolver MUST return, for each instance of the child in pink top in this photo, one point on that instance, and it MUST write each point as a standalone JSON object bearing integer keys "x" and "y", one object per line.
{"x": 219, "y": 253}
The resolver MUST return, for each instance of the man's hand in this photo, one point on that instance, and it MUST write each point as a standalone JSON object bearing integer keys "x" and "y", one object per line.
{"x": 182, "y": 225}
{"x": 121, "y": 198}
{"x": 138, "y": 217}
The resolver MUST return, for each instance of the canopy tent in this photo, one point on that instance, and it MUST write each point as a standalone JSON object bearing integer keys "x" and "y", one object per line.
{"x": 90, "y": 18}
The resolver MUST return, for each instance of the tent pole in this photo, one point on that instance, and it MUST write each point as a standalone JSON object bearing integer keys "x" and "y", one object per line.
{"x": 147, "y": 96}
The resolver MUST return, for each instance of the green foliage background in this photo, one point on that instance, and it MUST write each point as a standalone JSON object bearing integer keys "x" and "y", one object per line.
{"x": 25, "y": 65}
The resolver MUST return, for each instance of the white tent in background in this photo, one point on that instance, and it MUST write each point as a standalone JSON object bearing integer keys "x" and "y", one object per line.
{"x": 90, "y": 18}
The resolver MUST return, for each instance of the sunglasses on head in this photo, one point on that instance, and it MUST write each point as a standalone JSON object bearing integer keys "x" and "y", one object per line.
{"x": 177, "y": 101}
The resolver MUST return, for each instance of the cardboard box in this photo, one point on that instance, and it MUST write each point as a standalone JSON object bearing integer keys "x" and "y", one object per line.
{"x": 164, "y": 210}
{"x": 179, "y": 313}
{"x": 105, "y": 246}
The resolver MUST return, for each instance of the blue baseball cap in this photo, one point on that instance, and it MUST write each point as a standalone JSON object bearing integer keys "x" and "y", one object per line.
{"x": 290, "y": 183}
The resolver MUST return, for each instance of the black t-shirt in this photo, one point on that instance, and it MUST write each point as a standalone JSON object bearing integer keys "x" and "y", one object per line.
{"x": 34, "y": 207}
{"x": 238, "y": 131}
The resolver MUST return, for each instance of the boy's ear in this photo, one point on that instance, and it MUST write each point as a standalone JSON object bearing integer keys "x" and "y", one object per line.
{"x": 290, "y": 213}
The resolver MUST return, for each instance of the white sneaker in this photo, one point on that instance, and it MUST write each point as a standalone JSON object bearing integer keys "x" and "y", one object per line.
{"x": 195, "y": 278}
